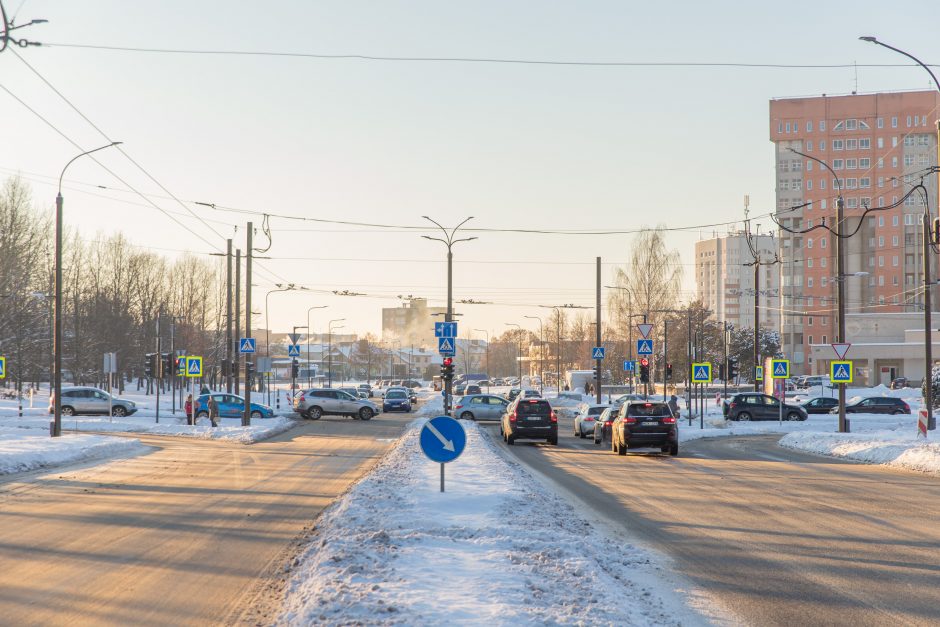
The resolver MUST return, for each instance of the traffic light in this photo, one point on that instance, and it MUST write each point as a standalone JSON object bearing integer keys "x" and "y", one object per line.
{"x": 249, "y": 369}
{"x": 294, "y": 369}
{"x": 644, "y": 370}
{"x": 732, "y": 368}
{"x": 166, "y": 365}
{"x": 150, "y": 363}
{"x": 597, "y": 373}
{"x": 721, "y": 372}
{"x": 447, "y": 368}
{"x": 668, "y": 372}
{"x": 936, "y": 230}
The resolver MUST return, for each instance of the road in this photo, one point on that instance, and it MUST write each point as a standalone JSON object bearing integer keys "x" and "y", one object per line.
{"x": 195, "y": 532}
{"x": 779, "y": 537}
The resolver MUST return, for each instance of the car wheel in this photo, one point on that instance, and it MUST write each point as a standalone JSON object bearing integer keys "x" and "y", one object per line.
{"x": 256, "y": 414}
{"x": 315, "y": 413}
{"x": 365, "y": 413}
{"x": 896, "y": 412}
{"x": 119, "y": 411}
{"x": 583, "y": 435}
{"x": 613, "y": 446}
{"x": 794, "y": 416}
{"x": 67, "y": 411}
{"x": 202, "y": 414}
{"x": 622, "y": 449}
{"x": 674, "y": 450}
{"x": 466, "y": 416}
{"x": 553, "y": 441}
{"x": 745, "y": 416}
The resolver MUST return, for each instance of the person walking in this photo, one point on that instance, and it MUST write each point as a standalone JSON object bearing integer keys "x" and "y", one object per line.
{"x": 213, "y": 410}
{"x": 188, "y": 407}
{"x": 674, "y": 406}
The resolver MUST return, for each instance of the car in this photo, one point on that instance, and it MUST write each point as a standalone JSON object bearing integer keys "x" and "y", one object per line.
{"x": 756, "y": 406}
{"x": 529, "y": 419}
{"x": 603, "y": 424}
{"x": 875, "y": 405}
{"x": 230, "y": 406}
{"x": 412, "y": 395}
{"x": 484, "y": 383}
{"x": 497, "y": 381}
{"x": 473, "y": 388}
{"x": 459, "y": 389}
{"x": 396, "y": 400}
{"x": 480, "y": 407}
{"x": 899, "y": 383}
{"x": 513, "y": 393}
{"x": 649, "y": 424}
{"x": 365, "y": 388}
{"x": 89, "y": 400}
{"x": 820, "y": 405}
{"x": 531, "y": 394}
{"x": 585, "y": 419}
{"x": 317, "y": 402}
{"x": 351, "y": 390}
{"x": 411, "y": 384}
{"x": 813, "y": 381}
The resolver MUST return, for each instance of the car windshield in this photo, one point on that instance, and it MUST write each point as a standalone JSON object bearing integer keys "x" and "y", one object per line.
{"x": 396, "y": 394}
{"x": 648, "y": 409}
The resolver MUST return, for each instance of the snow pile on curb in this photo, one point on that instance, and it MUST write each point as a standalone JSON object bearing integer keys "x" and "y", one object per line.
{"x": 880, "y": 447}
{"x": 497, "y": 548}
{"x": 24, "y": 449}
{"x": 259, "y": 430}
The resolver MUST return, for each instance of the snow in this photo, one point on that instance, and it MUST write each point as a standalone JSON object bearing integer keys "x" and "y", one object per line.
{"x": 497, "y": 548}
{"x": 28, "y": 449}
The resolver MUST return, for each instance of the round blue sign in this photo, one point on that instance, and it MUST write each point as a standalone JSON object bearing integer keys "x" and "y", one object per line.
{"x": 443, "y": 439}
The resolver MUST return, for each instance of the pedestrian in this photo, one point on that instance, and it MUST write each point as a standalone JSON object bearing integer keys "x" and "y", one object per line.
{"x": 674, "y": 406}
{"x": 188, "y": 407}
{"x": 717, "y": 399}
{"x": 213, "y": 410}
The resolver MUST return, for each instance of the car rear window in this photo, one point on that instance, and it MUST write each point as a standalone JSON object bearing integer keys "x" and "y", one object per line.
{"x": 537, "y": 408}
{"x": 596, "y": 411}
{"x": 648, "y": 409}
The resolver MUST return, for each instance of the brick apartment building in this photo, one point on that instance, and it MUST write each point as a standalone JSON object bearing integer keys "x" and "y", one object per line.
{"x": 878, "y": 145}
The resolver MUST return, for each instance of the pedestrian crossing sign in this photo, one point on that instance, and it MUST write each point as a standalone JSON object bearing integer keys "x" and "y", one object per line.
{"x": 780, "y": 368}
{"x": 702, "y": 373}
{"x": 246, "y": 345}
{"x": 597, "y": 352}
{"x": 445, "y": 345}
{"x": 293, "y": 350}
{"x": 194, "y": 366}
{"x": 644, "y": 347}
{"x": 3, "y": 367}
{"x": 840, "y": 371}
{"x": 759, "y": 373}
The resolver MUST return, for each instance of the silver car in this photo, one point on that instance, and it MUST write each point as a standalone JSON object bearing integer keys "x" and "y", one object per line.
{"x": 480, "y": 407}
{"x": 318, "y": 402}
{"x": 89, "y": 400}
{"x": 585, "y": 419}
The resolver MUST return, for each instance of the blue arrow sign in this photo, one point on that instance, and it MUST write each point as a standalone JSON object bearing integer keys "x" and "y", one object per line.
{"x": 644, "y": 347}
{"x": 443, "y": 439}
{"x": 293, "y": 350}
{"x": 446, "y": 345}
{"x": 597, "y": 352}
{"x": 629, "y": 365}
{"x": 445, "y": 329}
{"x": 246, "y": 345}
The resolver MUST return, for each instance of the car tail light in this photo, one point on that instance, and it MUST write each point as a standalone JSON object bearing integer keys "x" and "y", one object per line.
{"x": 647, "y": 404}
{"x": 630, "y": 420}
{"x": 732, "y": 405}
{"x": 906, "y": 406}
{"x": 553, "y": 417}
{"x": 608, "y": 423}
{"x": 533, "y": 401}
{"x": 669, "y": 420}
{"x": 458, "y": 406}
{"x": 514, "y": 416}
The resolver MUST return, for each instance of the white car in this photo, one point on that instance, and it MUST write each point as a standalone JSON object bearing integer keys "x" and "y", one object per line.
{"x": 587, "y": 415}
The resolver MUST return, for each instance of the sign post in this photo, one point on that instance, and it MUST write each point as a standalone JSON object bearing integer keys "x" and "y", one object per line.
{"x": 443, "y": 440}
{"x": 109, "y": 368}
{"x": 779, "y": 370}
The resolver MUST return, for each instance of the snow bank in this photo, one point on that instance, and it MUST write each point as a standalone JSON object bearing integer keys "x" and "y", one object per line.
{"x": 497, "y": 549}
{"x": 27, "y": 449}
{"x": 879, "y": 447}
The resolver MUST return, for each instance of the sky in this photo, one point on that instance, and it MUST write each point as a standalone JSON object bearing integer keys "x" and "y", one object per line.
{"x": 383, "y": 143}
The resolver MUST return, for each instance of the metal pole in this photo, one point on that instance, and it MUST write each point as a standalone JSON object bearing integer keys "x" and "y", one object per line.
{"x": 158, "y": 367}
{"x": 725, "y": 343}
{"x": 57, "y": 332}
{"x": 928, "y": 335}
{"x": 665, "y": 354}
{"x": 329, "y": 351}
{"x": 246, "y": 417}
{"x": 632, "y": 359}
{"x": 449, "y": 382}
{"x": 173, "y": 360}
{"x": 840, "y": 291}
{"x": 757, "y": 321}
{"x": 597, "y": 330}
{"x": 229, "y": 340}
{"x": 238, "y": 316}
{"x": 558, "y": 357}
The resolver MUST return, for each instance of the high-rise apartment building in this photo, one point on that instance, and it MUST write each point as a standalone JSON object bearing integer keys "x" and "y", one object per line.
{"x": 878, "y": 147}
{"x": 725, "y": 285}
{"x": 412, "y": 324}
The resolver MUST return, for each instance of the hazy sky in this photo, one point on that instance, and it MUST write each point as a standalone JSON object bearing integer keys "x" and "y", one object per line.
{"x": 515, "y": 146}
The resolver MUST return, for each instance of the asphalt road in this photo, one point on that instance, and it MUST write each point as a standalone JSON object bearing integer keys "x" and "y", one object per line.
{"x": 777, "y": 536}
{"x": 194, "y": 533}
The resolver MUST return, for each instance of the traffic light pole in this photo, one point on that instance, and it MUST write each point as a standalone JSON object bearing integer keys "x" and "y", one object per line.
{"x": 158, "y": 366}
{"x": 246, "y": 417}
{"x": 665, "y": 354}
{"x": 597, "y": 332}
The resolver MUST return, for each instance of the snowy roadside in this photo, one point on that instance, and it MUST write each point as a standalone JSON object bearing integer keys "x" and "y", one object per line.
{"x": 497, "y": 548}
{"x": 22, "y": 450}
{"x": 880, "y": 447}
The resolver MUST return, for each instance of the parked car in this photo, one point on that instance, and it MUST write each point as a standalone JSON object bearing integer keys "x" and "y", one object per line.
{"x": 899, "y": 383}
{"x": 352, "y": 391}
{"x": 513, "y": 393}
{"x": 473, "y": 388}
{"x": 317, "y": 402}
{"x": 230, "y": 406}
{"x": 875, "y": 405}
{"x": 89, "y": 400}
{"x": 396, "y": 400}
{"x": 820, "y": 405}
{"x": 585, "y": 419}
{"x": 480, "y": 407}
{"x": 365, "y": 388}
{"x": 497, "y": 381}
{"x": 529, "y": 419}
{"x": 531, "y": 394}
{"x": 411, "y": 384}
{"x": 603, "y": 425}
{"x": 412, "y": 395}
{"x": 756, "y": 406}
{"x": 459, "y": 389}
{"x": 645, "y": 425}
{"x": 813, "y": 381}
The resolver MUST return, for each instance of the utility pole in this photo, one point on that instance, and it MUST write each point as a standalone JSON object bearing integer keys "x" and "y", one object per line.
{"x": 236, "y": 362}
{"x": 665, "y": 353}
{"x": 757, "y": 321}
{"x": 597, "y": 331}
{"x": 724, "y": 336}
{"x": 229, "y": 340}
{"x": 158, "y": 366}
{"x": 840, "y": 291}
{"x": 246, "y": 417}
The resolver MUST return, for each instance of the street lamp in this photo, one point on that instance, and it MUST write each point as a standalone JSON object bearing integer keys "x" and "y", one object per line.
{"x": 57, "y": 324}
{"x": 330, "y": 328}
{"x": 448, "y": 241}
{"x": 488, "y": 374}
{"x": 541, "y": 354}
{"x": 267, "y": 324}
{"x": 308, "y": 338}
{"x": 928, "y": 248}
{"x": 519, "y": 350}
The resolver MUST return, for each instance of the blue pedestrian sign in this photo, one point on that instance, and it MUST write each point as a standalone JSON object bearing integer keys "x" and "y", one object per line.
{"x": 629, "y": 365}
{"x": 840, "y": 371}
{"x": 644, "y": 347}
{"x": 194, "y": 366}
{"x": 446, "y": 345}
{"x": 597, "y": 352}
{"x": 246, "y": 345}
{"x": 780, "y": 369}
{"x": 3, "y": 367}
{"x": 702, "y": 373}
{"x": 443, "y": 439}
{"x": 445, "y": 329}
{"x": 293, "y": 350}
{"x": 759, "y": 373}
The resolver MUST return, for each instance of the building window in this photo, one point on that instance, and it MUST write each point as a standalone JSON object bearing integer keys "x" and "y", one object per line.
{"x": 881, "y": 142}
{"x": 838, "y": 164}
{"x": 851, "y": 144}
{"x": 851, "y": 125}
{"x": 881, "y": 201}
{"x": 840, "y": 125}
{"x": 809, "y": 321}
{"x": 894, "y": 162}
{"x": 908, "y": 121}
{"x": 837, "y": 144}
{"x": 871, "y": 261}
{"x": 894, "y": 121}
{"x": 822, "y": 242}
{"x": 809, "y": 166}
{"x": 825, "y": 340}
{"x": 809, "y": 145}
{"x": 923, "y": 160}
{"x": 909, "y": 140}
{"x": 881, "y": 220}
{"x": 864, "y": 163}
{"x": 908, "y": 160}
{"x": 851, "y": 203}
{"x": 894, "y": 262}
{"x": 894, "y": 241}
{"x": 822, "y": 126}
{"x": 864, "y": 182}
{"x": 894, "y": 142}
{"x": 895, "y": 220}
{"x": 881, "y": 162}
{"x": 881, "y": 282}
{"x": 823, "y": 261}
{"x": 809, "y": 262}
{"x": 788, "y": 126}
{"x": 881, "y": 122}
{"x": 851, "y": 164}
{"x": 809, "y": 184}
{"x": 823, "y": 281}
{"x": 809, "y": 242}
{"x": 809, "y": 281}
{"x": 851, "y": 183}
{"x": 881, "y": 241}
{"x": 864, "y": 143}
{"x": 809, "y": 126}
{"x": 908, "y": 219}
{"x": 822, "y": 144}
{"x": 823, "y": 202}
{"x": 881, "y": 261}
{"x": 797, "y": 184}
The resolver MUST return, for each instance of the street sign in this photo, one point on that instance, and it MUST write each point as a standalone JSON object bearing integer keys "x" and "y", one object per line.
{"x": 264, "y": 365}
{"x": 645, "y": 329}
{"x": 702, "y": 373}
{"x": 293, "y": 350}
{"x": 294, "y": 337}
{"x": 840, "y": 371}
{"x": 629, "y": 365}
{"x": 443, "y": 439}
{"x": 759, "y": 373}
{"x": 446, "y": 345}
{"x": 193, "y": 366}
{"x": 644, "y": 347}
{"x": 109, "y": 363}
{"x": 598, "y": 352}
{"x": 779, "y": 368}
{"x": 841, "y": 349}
{"x": 246, "y": 345}
{"x": 3, "y": 367}
{"x": 445, "y": 329}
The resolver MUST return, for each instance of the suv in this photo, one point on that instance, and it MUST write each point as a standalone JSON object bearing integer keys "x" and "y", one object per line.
{"x": 755, "y": 406}
{"x": 875, "y": 405}
{"x": 365, "y": 388}
{"x": 89, "y": 400}
{"x": 318, "y": 402}
{"x": 529, "y": 419}
{"x": 813, "y": 381}
{"x": 644, "y": 425}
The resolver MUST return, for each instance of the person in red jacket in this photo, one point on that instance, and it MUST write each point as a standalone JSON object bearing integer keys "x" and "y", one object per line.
{"x": 188, "y": 406}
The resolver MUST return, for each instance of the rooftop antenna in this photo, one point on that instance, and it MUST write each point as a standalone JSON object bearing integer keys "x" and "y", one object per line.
{"x": 855, "y": 64}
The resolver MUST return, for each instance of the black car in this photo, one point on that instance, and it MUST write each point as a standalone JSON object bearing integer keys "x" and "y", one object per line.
{"x": 820, "y": 405}
{"x": 603, "y": 424}
{"x": 755, "y": 406}
{"x": 899, "y": 383}
{"x": 645, "y": 425}
{"x": 529, "y": 419}
{"x": 513, "y": 393}
{"x": 876, "y": 405}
